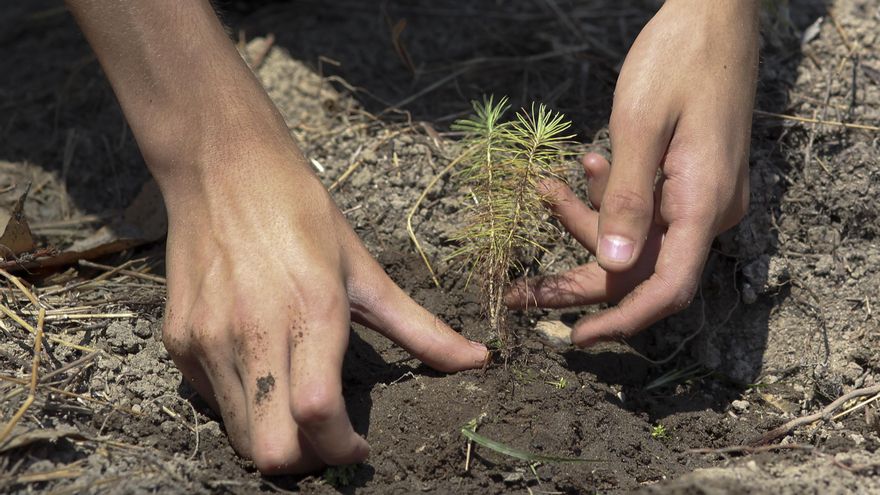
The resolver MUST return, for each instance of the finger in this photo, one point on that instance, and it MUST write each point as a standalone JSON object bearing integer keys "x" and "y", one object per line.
{"x": 669, "y": 290}
{"x": 597, "y": 170}
{"x": 217, "y": 382}
{"x": 577, "y": 218}
{"x": 378, "y": 303}
{"x": 263, "y": 362}
{"x": 207, "y": 367}
{"x": 319, "y": 344}
{"x": 627, "y": 202}
{"x": 586, "y": 284}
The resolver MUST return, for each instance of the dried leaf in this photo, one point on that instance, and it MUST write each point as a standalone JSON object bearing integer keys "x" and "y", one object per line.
{"x": 16, "y": 238}
{"x": 144, "y": 221}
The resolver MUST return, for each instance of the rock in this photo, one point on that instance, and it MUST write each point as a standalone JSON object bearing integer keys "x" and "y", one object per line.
{"x": 513, "y": 477}
{"x": 122, "y": 339}
{"x": 369, "y": 156}
{"x": 554, "y": 332}
{"x": 824, "y": 265}
{"x": 143, "y": 329}
{"x": 740, "y": 406}
{"x": 851, "y": 372}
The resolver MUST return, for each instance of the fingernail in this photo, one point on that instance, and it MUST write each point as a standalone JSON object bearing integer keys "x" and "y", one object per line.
{"x": 478, "y": 346}
{"x": 616, "y": 248}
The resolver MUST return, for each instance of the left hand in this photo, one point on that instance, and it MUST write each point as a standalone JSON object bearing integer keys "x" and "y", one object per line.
{"x": 683, "y": 105}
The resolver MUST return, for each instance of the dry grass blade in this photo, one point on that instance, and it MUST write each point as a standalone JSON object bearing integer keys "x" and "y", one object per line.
{"x": 74, "y": 395}
{"x": 23, "y": 288}
{"x": 84, "y": 283}
{"x": 27, "y": 326}
{"x": 860, "y": 405}
{"x": 415, "y": 208}
{"x": 807, "y": 120}
{"x": 90, "y": 316}
{"x": 123, "y": 271}
{"x": 66, "y": 472}
{"x": 35, "y": 371}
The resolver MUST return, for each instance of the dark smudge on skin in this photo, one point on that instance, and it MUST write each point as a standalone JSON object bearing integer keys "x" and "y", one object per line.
{"x": 265, "y": 386}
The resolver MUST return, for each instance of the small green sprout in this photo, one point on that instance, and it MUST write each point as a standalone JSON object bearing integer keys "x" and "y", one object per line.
{"x": 559, "y": 384}
{"x": 659, "y": 432}
{"x": 340, "y": 476}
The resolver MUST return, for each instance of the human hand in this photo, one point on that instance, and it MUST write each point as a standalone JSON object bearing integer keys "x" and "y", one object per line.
{"x": 263, "y": 275}
{"x": 264, "y": 272}
{"x": 682, "y": 105}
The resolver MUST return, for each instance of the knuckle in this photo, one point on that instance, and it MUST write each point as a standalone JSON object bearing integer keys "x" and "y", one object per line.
{"x": 204, "y": 337}
{"x": 627, "y": 203}
{"x": 241, "y": 331}
{"x": 314, "y": 407}
{"x": 274, "y": 455}
{"x": 175, "y": 338}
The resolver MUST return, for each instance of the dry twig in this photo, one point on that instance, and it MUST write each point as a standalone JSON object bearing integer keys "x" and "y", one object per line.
{"x": 807, "y": 120}
{"x": 130, "y": 273}
{"x": 824, "y": 414}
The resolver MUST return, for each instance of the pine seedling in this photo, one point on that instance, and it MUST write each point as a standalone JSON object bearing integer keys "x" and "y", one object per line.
{"x": 502, "y": 166}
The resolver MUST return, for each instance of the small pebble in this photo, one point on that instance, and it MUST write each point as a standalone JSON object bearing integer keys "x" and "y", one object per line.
{"x": 554, "y": 332}
{"x": 740, "y": 406}
{"x": 143, "y": 329}
{"x": 513, "y": 477}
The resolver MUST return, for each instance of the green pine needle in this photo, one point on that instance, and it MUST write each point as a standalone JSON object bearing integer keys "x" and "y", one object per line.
{"x": 502, "y": 166}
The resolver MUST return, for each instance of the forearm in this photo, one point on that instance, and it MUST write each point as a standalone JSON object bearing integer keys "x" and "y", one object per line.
{"x": 181, "y": 83}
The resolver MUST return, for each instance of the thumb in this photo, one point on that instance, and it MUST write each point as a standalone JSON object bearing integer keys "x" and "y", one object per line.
{"x": 627, "y": 209}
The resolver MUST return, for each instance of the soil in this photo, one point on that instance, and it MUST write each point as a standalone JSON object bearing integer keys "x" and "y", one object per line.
{"x": 785, "y": 322}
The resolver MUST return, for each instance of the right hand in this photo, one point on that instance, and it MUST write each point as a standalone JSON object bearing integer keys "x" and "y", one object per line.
{"x": 264, "y": 274}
